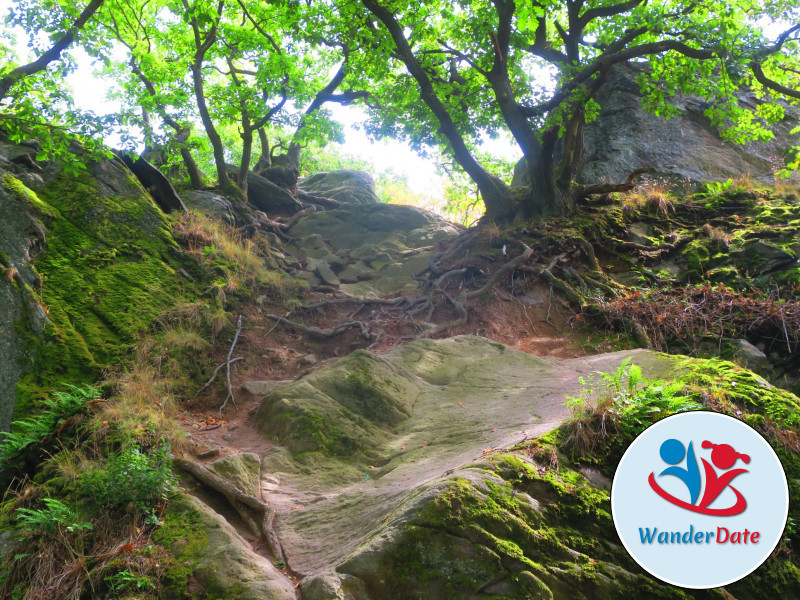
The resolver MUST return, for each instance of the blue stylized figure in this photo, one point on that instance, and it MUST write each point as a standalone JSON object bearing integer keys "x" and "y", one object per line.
{"x": 672, "y": 452}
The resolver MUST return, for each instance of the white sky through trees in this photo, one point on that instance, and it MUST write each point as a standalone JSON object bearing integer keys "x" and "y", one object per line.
{"x": 91, "y": 93}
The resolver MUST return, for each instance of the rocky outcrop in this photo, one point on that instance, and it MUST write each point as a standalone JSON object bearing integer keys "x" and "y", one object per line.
{"x": 368, "y": 248}
{"x": 377, "y": 487}
{"x": 345, "y": 186}
{"x": 155, "y": 182}
{"x": 686, "y": 148}
{"x": 266, "y": 195}
{"x": 211, "y": 204}
{"x": 88, "y": 261}
{"x": 22, "y": 241}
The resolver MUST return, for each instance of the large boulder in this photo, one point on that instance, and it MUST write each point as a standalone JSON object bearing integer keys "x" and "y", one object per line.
{"x": 375, "y": 248}
{"x": 206, "y": 553}
{"x": 346, "y": 186}
{"x": 378, "y": 492}
{"x": 266, "y": 195}
{"x": 88, "y": 262}
{"x": 687, "y": 147}
{"x": 22, "y": 241}
{"x": 211, "y": 204}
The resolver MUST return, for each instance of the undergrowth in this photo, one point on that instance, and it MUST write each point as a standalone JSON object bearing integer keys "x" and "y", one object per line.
{"x": 613, "y": 408}
{"x": 91, "y": 467}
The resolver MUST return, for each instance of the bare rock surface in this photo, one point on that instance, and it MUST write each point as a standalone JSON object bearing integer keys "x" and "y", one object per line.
{"x": 368, "y": 443}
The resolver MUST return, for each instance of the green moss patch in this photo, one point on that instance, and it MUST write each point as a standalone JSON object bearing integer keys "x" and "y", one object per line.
{"x": 108, "y": 271}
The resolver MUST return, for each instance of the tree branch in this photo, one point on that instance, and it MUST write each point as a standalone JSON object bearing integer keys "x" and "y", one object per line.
{"x": 606, "y": 60}
{"x": 54, "y": 53}
{"x": 762, "y": 78}
{"x": 606, "y": 11}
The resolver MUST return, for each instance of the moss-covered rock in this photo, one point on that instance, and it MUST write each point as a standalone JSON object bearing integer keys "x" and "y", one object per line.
{"x": 387, "y": 244}
{"x": 22, "y": 318}
{"x": 210, "y": 561}
{"x": 109, "y": 269}
{"x": 435, "y": 509}
{"x": 243, "y": 470}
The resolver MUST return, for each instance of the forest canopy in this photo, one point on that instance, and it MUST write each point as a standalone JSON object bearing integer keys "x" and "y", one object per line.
{"x": 252, "y": 82}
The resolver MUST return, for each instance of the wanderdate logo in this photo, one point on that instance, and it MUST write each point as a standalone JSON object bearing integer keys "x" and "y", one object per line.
{"x": 723, "y": 457}
{"x": 700, "y": 500}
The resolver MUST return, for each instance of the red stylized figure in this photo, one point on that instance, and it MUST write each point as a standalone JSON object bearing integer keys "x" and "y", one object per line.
{"x": 724, "y": 457}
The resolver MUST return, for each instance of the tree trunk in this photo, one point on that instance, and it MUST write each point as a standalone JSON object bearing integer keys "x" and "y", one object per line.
{"x": 247, "y": 153}
{"x": 195, "y": 177}
{"x": 548, "y": 195}
{"x": 290, "y": 160}
{"x": 494, "y": 192}
{"x": 264, "y": 161}
{"x": 211, "y": 131}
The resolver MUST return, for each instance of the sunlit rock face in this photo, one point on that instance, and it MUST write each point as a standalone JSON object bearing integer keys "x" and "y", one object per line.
{"x": 682, "y": 150}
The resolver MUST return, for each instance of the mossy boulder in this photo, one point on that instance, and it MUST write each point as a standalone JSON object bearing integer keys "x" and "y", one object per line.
{"x": 346, "y": 186}
{"x": 446, "y": 503}
{"x": 345, "y": 409}
{"x": 375, "y": 454}
{"x": 108, "y": 270}
{"x": 242, "y": 470}
{"x": 23, "y": 317}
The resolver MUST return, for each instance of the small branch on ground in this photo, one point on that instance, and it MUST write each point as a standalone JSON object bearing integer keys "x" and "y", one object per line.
{"x": 216, "y": 371}
{"x": 228, "y": 365}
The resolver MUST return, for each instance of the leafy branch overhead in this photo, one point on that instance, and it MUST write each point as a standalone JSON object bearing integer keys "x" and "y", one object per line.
{"x": 209, "y": 78}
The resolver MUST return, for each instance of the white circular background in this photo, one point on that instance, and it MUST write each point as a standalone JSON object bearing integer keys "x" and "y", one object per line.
{"x": 635, "y": 505}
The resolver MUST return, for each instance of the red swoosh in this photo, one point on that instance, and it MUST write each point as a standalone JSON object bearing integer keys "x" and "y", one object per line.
{"x": 737, "y": 508}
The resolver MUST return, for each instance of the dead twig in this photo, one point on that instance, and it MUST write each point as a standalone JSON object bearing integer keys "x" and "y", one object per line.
{"x": 216, "y": 371}
{"x": 228, "y": 365}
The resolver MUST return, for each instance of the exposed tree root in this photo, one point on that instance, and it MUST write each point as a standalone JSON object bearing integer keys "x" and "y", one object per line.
{"x": 501, "y": 272}
{"x": 326, "y": 333}
{"x": 241, "y": 502}
{"x": 644, "y": 247}
{"x": 355, "y": 300}
{"x": 460, "y": 320}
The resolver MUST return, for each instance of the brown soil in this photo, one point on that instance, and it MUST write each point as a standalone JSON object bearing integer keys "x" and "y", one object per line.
{"x": 534, "y": 322}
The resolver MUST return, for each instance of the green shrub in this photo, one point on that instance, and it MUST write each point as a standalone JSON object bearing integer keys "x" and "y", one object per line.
{"x": 624, "y": 405}
{"x": 132, "y": 479}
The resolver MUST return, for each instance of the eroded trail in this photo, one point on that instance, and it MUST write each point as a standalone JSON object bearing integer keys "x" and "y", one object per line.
{"x": 347, "y": 448}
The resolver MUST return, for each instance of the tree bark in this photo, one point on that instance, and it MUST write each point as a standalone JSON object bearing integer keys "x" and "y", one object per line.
{"x": 264, "y": 160}
{"x": 202, "y": 43}
{"x": 208, "y": 124}
{"x": 195, "y": 177}
{"x": 494, "y": 192}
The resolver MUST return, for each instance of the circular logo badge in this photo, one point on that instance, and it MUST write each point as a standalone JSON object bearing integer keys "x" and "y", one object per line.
{"x": 699, "y": 500}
